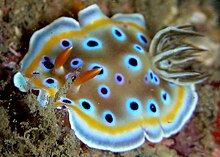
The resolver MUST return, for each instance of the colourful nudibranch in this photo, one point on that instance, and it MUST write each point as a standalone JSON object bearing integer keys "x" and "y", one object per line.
{"x": 119, "y": 96}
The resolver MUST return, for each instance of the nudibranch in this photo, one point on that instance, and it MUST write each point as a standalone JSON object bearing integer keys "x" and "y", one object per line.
{"x": 124, "y": 87}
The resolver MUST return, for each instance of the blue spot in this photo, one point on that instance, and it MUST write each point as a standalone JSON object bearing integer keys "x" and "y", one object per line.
{"x": 133, "y": 105}
{"x": 92, "y": 44}
{"x": 138, "y": 48}
{"x": 66, "y": 101}
{"x": 103, "y": 74}
{"x": 156, "y": 80}
{"x": 172, "y": 84}
{"x": 150, "y": 75}
{"x": 142, "y": 38}
{"x": 86, "y": 105}
{"x": 109, "y": 118}
{"x": 119, "y": 78}
{"x": 153, "y": 108}
{"x": 68, "y": 75}
{"x": 65, "y": 43}
{"x": 165, "y": 97}
{"x": 50, "y": 82}
{"x": 118, "y": 34}
{"x": 153, "y": 77}
{"x": 104, "y": 91}
{"x": 76, "y": 63}
{"x": 46, "y": 63}
{"x": 133, "y": 62}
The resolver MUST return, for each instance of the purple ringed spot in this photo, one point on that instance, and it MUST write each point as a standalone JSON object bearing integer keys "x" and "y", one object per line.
{"x": 119, "y": 78}
{"x": 146, "y": 80}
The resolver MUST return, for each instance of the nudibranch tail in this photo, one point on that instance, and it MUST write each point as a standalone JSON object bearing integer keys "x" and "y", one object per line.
{"x": 117, "y": 93}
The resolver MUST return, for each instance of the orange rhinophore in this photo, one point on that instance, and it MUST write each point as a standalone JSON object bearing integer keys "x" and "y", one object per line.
{"x": 62, "y": 57}
{"x": 85, "y": 76}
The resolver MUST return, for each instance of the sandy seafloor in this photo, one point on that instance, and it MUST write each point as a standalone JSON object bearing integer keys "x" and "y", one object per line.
{"x": 26, "y": 129}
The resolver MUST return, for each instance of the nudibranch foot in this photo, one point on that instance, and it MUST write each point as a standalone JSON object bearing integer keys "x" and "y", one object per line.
{"x": 171, "y": 56}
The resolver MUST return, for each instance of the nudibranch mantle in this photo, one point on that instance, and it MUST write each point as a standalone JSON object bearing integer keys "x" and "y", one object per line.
{"x": 117, "y": 100}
